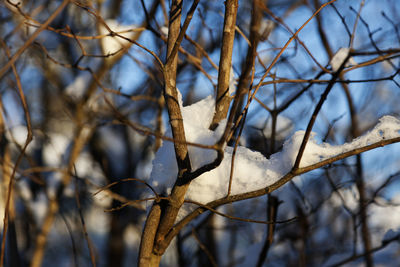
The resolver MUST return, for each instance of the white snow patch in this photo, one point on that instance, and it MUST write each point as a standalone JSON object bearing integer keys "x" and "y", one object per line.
{"x": 266, "y": 27}
{"x": 85, "y": 167}
{"x": 132, "y": 237}
{"x": 53, "y": 151}
{"x": 232, "y": 82}
{"x": 384, "y": 220}
{"x": 164, "y": 30}
{"x": 252, "y": 171}
{"x": 39, "y": 206}
{"x": 97, "y": 220}
{"x": 24, "y": 190}
{"x": 112, "y": 44}
{"x": 18, "y": 134}
{"x": 340, "y": 56}
{"x": 349, "y": 197}
{"x": 385, "y": 217}
{"x": 53, "y": 183}
{"x": 77, "y": 88}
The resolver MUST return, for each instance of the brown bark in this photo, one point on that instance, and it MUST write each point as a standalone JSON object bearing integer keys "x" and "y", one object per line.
{"x": 177, "y": 195}
{"x": 247, "y": 67}
{"x": 146, "y": 256}
{"x": 175, "y": 119}
{"x": 225, "y": 63}
{"x": 176, "y": 198}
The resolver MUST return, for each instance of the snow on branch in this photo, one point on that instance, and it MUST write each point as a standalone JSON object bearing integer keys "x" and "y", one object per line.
{"x": 341, "y": 56}
{"x": 252, "y": 171}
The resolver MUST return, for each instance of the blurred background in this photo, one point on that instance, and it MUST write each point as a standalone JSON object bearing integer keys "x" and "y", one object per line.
{"x": 82, "y": 103}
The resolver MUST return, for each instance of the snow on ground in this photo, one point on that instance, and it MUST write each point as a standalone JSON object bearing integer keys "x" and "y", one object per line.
{"x": 252, "y": 170}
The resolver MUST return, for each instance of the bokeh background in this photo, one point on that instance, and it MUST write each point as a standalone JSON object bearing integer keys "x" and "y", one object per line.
{"x": 92, "y": 66}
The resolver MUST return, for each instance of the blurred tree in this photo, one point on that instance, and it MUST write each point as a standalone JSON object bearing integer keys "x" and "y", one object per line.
{"x": 89, "y": 92}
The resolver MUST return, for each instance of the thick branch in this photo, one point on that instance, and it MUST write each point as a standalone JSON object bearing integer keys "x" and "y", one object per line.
{"x": 225, "y": 63}
{"x": 181, "y": 151}
{"x": 248, "y": 65}
{"x": 146, "y": 245}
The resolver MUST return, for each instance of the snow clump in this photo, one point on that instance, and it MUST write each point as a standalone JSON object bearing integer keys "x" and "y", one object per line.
{"x": 252, "y": 171}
